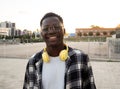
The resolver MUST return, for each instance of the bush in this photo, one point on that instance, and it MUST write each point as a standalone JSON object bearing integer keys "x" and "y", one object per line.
{"x": 86, "y": 39}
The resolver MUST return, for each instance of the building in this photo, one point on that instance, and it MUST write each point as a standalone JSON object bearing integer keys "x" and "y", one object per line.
{"x": 96, "y": 31}
{"x": 26, "y": 32}
{"x": 18, "y": 32}
{"x": 8, "y": 25}
{"x": 4, "y": 31}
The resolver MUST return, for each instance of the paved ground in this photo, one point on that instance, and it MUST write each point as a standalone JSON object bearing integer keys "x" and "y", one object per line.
{"x": 107, "y": 74}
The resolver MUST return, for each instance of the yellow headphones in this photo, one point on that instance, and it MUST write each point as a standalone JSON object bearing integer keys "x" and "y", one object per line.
{"x": 63, "y": 55}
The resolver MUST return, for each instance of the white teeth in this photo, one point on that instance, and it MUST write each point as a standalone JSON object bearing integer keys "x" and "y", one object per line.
{"x": 53, "y": 37}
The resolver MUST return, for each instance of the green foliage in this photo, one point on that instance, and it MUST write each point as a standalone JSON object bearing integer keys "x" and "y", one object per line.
{"x": 24, "y": 38}
{"x": 97, "y": 33}
{"x": 36, "y": 40}
{"x": 95, "y": 26}
{"x": 33, "y": 35}
{"x": 1, "y": 37}
{"x": 104, "y": 33}
{"x": 79, "y": 34}
{"x": 112, "y": 32}
{"x": 86, "y": 39}
{"x": 90, "y": 33}
{"x": 84, "y": 34}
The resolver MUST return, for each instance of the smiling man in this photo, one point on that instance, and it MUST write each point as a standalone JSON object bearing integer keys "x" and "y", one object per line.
{"x": 57, "y": 66}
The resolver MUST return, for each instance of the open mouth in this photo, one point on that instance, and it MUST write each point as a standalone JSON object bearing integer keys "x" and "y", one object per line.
{"x": 52, "y": 37}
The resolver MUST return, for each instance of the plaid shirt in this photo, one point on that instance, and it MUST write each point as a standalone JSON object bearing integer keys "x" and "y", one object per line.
{"x": 78, "y": 73}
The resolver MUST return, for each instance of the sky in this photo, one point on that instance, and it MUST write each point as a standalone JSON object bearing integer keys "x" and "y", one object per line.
{"x": 75, "y": 13}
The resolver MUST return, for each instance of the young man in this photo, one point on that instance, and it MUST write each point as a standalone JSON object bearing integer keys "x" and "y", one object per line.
{"x": 57, "y": 66}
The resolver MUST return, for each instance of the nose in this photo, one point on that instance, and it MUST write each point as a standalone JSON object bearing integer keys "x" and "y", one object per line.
{"x": 52, "y": 28}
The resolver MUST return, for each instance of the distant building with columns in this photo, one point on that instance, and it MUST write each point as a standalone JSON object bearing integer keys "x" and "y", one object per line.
{"x": 96, "y": 31}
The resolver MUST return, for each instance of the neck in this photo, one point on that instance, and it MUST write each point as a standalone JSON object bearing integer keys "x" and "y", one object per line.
{"x": 55, "y": 50}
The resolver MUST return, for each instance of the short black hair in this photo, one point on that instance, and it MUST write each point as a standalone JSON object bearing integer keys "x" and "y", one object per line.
{"x": 51, "y": 14}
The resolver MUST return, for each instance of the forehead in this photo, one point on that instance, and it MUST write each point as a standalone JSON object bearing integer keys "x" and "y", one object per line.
{"x": 50, "y": 21}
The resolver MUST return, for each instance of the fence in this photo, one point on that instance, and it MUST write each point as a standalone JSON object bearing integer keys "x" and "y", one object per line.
{"x": 96, "y": 50}
{"x": 114, "y": 48}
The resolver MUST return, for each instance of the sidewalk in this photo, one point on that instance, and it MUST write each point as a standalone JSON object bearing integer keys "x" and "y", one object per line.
{"x": 107, "y": 74}
{"x": 12, "y": 73}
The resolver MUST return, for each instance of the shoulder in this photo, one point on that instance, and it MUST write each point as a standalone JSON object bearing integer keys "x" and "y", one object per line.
{"x": 33, "y": 61}
{"x": 74, "y": 51}
{"x": 78, "y": 54}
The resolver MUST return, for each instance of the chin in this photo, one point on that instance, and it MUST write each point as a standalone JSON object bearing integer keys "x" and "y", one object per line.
{"x": 53, "y": 44}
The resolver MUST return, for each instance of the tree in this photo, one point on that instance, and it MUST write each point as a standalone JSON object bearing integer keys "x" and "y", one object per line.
{"x": 97, "y": 33}
{"x": 33, "y": 35}
{"x": 104, "y": 33}
{"x": 85, "y": 34}
{"x": 95, "y": 26}
{"x": 112, "y": 32}
{"x": 79, "y": 34}
{"x": 90, "y": 33}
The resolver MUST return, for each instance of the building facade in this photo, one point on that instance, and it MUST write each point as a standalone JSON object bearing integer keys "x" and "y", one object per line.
{"x": 95, "y": 31}
{"x": 4, "y": 31}
{"x": 7, "y": 28}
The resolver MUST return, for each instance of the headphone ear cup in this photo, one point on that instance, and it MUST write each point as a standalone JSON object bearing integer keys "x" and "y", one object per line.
{"x": 45, "y": 57}
{"x": 63, "y": 55}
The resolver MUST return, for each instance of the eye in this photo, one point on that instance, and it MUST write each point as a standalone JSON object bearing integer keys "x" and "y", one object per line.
{"x": 45, "y": 29}
{"x": 57, "y": 27}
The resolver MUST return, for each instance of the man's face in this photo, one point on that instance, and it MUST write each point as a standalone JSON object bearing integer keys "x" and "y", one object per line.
{"x": 52, "y": 31}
